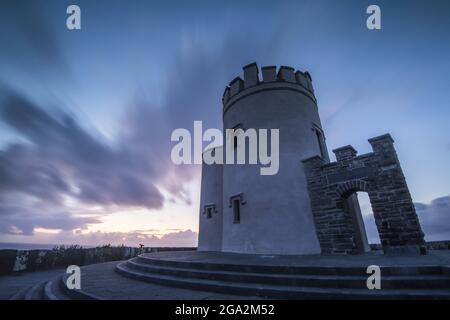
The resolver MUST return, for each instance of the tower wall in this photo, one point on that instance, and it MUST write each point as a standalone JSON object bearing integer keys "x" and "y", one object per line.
{"x": 210, "y": 223}
{"x": 275, "y": 215}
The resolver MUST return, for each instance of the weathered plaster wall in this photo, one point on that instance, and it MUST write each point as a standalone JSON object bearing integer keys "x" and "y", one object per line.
{"x": 276, "y": 216}
{"x": 210, "y": 227}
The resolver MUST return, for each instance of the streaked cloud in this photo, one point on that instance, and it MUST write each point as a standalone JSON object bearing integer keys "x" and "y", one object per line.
{"x": 435, "y": 218}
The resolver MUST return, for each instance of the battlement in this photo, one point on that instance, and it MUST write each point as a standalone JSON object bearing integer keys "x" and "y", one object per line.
{"x": 382, "y": 146}
{"x": 270, "y": 76}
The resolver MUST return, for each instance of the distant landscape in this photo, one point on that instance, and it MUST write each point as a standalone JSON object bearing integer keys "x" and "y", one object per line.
{"x": 30, "y": 246}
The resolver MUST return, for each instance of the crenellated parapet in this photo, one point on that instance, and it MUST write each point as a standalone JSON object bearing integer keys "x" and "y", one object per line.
{"x": 271, "y": 78}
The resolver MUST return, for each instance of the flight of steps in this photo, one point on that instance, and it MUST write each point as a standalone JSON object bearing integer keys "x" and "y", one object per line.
{"x": 248, "y": 280}
{"x": 52, "y": 289}
{"x": 291, "y": 282}
{"x": 43, "y": 290}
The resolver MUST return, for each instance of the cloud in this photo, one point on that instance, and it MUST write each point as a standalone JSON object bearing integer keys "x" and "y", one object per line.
{"x": 435, "y": 218}
{"x": 28, "y": 39}
{"x": 59, "y": 161}
{"x": 63, "y": 159}
{"x": 19, "y": 220}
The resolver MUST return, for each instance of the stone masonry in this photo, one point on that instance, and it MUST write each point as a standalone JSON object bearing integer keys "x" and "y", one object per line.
{"x": 379, "y": 174}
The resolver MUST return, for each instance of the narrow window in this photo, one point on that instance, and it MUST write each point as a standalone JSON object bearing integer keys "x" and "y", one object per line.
{"x": 235, "y": 138}
{"x": 237, "y": 210}
{"x": 320, "y": 141}
{"x": 235, "y": 204}
{"x": 209, "y": 209}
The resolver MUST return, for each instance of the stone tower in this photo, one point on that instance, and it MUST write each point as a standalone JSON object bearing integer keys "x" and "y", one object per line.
{"x": 274, "y": 213}
{"x": 310, "y": 206}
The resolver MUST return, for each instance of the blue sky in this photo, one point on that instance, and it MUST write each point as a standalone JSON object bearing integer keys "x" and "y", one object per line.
{"x": 86, "y": 115}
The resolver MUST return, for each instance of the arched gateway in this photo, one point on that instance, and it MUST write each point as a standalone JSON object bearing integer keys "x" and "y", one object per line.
{"x": 380, "y": 175}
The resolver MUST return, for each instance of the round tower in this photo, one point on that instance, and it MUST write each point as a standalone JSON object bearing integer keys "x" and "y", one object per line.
{"x": 210, "y": 221}
{"x": 271, "y": 214}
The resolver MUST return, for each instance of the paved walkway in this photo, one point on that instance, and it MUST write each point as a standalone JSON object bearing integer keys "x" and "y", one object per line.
{"x": 11, "y": 284}
{"x": 438, "y": 257}
{"x": 101, "y": 280}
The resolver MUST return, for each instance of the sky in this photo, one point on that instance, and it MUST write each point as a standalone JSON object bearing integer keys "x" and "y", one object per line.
{"x": 86, "y": 115}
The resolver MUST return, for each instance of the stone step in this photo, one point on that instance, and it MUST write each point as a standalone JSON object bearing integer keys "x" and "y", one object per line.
{"x": 20, "y": 295}
{"x": 103, "y": 281}
{"x": 278, "y": 291}
{"x": 36, "y": 291}
{"x": 53, "y": 290}
{"x": 327, "y": 281}
{"x": 299, "y": 270}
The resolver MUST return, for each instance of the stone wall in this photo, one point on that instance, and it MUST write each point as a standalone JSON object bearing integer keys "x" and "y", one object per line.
{"x": 35, "y": 260}
{"x": 380, "y": 175}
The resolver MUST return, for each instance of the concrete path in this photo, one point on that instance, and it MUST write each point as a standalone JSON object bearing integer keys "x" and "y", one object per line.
{"x": 12, "y": 284}
{"x": 101, "y": 280}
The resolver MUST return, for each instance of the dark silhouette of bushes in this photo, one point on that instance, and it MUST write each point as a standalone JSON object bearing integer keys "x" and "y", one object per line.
{"x": 64, "y": 256}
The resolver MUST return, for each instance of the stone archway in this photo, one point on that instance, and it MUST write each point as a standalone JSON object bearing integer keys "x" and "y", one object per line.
{"x": 346, "y": 188}
{"x": 349, "y": 202}
{"x": 380, "y": 175}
